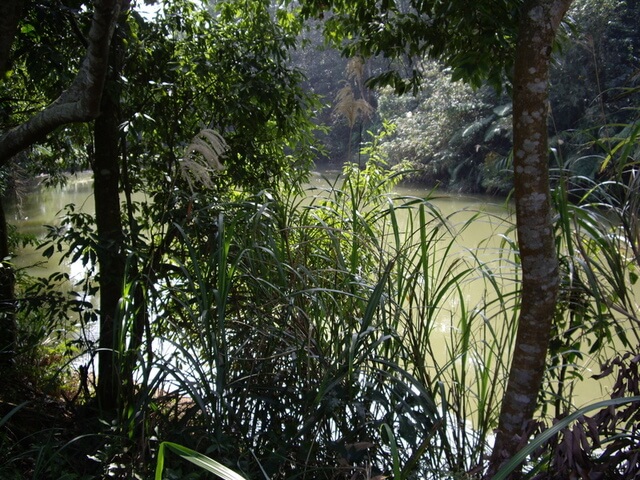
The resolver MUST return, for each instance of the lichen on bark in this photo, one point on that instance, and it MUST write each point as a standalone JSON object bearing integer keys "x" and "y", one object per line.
{"x": 539, "y": 22}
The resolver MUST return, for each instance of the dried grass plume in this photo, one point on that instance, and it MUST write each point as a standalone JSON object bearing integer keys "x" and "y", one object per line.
{"x": 201, "y": 160}
{"x": 347, "y": 105}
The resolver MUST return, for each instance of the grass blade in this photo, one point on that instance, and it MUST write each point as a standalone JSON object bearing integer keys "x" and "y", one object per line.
{"x": 197, "y": 459}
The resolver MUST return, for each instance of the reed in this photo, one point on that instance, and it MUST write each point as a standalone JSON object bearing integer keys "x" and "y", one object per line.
{"x": 335, "y": 336}
{"x": 302, "y": 341}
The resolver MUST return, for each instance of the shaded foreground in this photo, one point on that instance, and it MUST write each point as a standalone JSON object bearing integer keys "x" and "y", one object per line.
{"x": 328, "y": 337}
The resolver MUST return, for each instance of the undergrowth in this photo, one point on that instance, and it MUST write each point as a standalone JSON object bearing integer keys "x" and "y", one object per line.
{"x": 332, "y": 335}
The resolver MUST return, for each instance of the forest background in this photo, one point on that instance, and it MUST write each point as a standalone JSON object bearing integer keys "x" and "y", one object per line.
{"x": 292, "y": 339}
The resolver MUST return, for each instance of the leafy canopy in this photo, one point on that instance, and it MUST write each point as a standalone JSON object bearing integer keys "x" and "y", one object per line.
{"x": 475, "y": 39}
{"x": 224, "y": 67}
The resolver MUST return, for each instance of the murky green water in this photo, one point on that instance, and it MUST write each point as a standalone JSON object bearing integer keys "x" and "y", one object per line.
{"x": 44, "y": 206}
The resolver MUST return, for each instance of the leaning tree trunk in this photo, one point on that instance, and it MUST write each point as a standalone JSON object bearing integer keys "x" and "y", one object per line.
{"x": 539, "y": 22}
{"x": 80, "y": 102}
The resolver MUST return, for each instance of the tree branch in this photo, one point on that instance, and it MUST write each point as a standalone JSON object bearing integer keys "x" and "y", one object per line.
{"x": 81, "y": 101}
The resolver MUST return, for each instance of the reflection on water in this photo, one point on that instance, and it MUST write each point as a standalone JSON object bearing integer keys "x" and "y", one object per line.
{"x": 45, "y": 206}
{"x": 42, "y": 206}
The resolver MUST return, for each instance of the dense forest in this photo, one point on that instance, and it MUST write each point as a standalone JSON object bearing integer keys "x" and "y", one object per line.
{"x": 459, "y": 137}
{"x": 232, "y": 321}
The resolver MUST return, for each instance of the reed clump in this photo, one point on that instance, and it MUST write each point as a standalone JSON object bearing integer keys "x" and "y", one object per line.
{"x": 332, "y": 335}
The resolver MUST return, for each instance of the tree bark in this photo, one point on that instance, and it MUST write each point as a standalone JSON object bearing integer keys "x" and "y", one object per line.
{"x": 111, "y": 260}
{"x": 8, "y": 326}
{"x": 539, "y": 22}
{"x": 81, "y": 101}
{"x": 10, "y": 14}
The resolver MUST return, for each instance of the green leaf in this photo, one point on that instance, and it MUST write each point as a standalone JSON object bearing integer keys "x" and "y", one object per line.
{"x": 13, "y": 411}
{"x": 48, "y": 252}
{"x": 196, "y": 458}
{"x": 27, "y": 28}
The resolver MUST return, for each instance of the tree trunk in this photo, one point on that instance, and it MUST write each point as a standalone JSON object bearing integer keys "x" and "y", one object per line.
{"x": 8, "y": 327}
{"x": 539, "y": 22}
{"x": 10, "y": 15}
{"x": 111, "y": 260}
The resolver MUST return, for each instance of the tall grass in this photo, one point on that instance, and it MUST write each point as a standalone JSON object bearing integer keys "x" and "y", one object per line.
{"x": 596, "y": 324}
{"x": 597, "y": 238}
{"x": 331, "y": 336}
{"x": 334, "y": 335}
